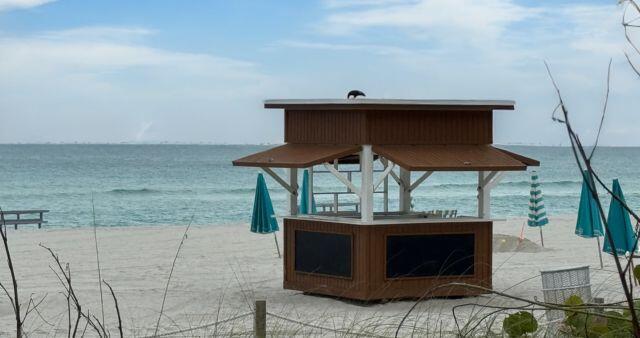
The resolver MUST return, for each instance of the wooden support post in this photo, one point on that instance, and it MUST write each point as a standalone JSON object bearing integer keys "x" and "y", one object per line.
{"x": 405, "y": 193}
{"x": 260, "y": 319}
{"x": 293, "y": 198}
{"x": 366, "y": 187}
{"x": 484, "y": 196}
{"x": 309, "y": 197}
{"x": 385, "y": 194}
{"x": 335, "y": 196}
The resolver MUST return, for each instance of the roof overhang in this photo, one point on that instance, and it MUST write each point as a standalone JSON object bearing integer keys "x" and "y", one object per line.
{"x": 297, "y": 155}
{"x": 389, "y": 104}
{"x": 481, "y": 157}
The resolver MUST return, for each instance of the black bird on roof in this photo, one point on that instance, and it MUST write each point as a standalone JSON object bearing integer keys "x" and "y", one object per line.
{"x": 354, "y": 94}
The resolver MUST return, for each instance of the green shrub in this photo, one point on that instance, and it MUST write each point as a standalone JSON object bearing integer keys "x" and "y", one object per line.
{"x": 592, "y": 325}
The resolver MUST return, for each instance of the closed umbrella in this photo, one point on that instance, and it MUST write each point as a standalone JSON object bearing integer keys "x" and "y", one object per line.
{"x": 304, "y": 196}
{"x": 589, "y": 224}
{"x": 537, "y": 214}
{"x": 263, "y": 220}
{"x": 619, "y": 225}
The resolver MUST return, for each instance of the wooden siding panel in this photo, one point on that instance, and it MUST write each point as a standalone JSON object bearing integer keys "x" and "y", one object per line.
{"x": 329, "y": 127}
{"x": 384, "y": 127}
{"x": 438, "y": 127}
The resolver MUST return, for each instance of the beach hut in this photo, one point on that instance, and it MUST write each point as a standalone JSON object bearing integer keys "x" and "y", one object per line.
{"x": 369, "y": 254}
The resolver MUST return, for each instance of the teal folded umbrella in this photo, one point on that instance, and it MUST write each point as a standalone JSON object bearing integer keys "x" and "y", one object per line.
{"x": 537, "y": 213}
{"x": 304, "y": 199}
{"x": 589, "y": 224}
{"x": 619, "y": 225}
{"x": 263, "y": 220}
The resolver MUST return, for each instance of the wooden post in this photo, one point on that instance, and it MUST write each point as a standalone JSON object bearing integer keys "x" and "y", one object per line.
{"x": 366, "y": 188}
{"x": 484, "y": 197}
{"x": 260, "y": 319}
{"x": 40, "y": 224}
{"x": 385, "y": 187}
{"x": 405, "y": 193}
{"x": 309, "y": 196}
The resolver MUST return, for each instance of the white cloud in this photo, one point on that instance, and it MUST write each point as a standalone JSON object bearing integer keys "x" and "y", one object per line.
{"x": 432, "y": 19}
{"x": 104, "y": 83}
{"x": 6, "y": 5}
{"x": 370, "y": 48}
{"x": 357, "y": 3}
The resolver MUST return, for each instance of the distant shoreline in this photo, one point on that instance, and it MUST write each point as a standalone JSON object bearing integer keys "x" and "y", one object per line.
{"x": 254, "y": 144}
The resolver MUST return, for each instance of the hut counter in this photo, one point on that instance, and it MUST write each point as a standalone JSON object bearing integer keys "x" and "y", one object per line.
{"x": 386, "y": 259}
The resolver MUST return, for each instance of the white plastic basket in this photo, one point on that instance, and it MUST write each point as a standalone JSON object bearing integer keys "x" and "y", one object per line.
{"x": 558, "y": 285}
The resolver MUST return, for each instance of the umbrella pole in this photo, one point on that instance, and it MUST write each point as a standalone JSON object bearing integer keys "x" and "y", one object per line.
{"x": 541, "y": 238}
{"x": 631, "y": 275}
{"x": 277, "y": 245}
{"x": 600, "y": 253}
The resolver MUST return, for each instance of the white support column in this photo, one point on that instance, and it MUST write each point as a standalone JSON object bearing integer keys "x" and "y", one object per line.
{"x": 484, "y": 196}
{"x": 405, "y": 194}
{"x": 385, "y": 187}
{"x": 487, "y": 180}
{"x": 309, "y": 196}
{"x": 366, "y": 187}
{"x": 293, "y": 198}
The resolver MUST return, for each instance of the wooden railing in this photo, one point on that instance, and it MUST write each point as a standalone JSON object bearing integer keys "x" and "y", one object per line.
{"x": 15, "y": 218}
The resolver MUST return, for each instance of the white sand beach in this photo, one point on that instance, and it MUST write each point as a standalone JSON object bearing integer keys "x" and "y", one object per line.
{"x": 222, "y": 269}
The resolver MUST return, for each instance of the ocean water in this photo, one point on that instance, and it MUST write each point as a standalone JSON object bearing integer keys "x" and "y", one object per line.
{"x": 168, "y": 184}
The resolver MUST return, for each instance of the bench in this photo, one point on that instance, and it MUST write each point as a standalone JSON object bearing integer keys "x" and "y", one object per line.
{"x": 15, "y": 219}
{"x": 331, "y": 206}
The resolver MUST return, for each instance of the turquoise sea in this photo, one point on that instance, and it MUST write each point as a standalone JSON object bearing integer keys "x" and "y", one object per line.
{"x": 168, "y": 184}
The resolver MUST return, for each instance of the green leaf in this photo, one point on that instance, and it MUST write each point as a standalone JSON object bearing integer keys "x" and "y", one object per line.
{"x": 519, "y": 324}
{"x": 572, "y": 301}
{"x": 636, "y": 272}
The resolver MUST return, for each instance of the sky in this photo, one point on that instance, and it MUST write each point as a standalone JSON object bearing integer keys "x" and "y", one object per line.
{"x": 198, "y": 71}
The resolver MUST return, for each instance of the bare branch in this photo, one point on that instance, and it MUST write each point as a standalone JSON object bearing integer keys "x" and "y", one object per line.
{"x": 95, "y": 240}
{"x": 166, "y": 289}
{"x": 115, "y": 301}
{"x": 604, "y": 111}
{"x": 15, "y": 300}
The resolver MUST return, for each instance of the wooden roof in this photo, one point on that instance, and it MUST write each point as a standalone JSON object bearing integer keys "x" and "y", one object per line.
{"x": 480, "y": 157}
{"x": 297, "y": 155}
{"x": 454, "y": 157}
{"x": 389, "y": 104}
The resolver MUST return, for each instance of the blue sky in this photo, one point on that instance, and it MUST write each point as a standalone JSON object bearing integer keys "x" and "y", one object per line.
{"x": 197, "y": 71}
